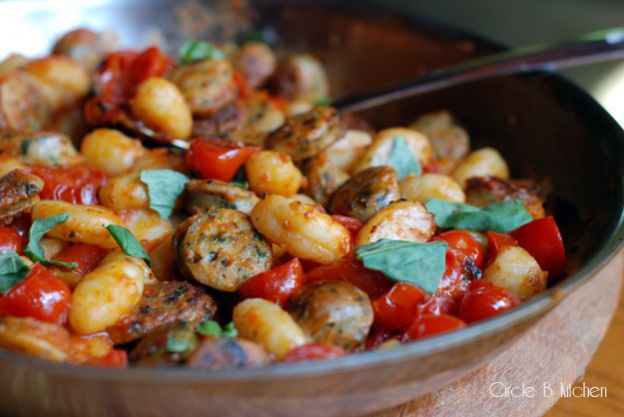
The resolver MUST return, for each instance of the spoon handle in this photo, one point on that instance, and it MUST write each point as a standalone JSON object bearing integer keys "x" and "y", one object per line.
{"x": 592, "y": 47}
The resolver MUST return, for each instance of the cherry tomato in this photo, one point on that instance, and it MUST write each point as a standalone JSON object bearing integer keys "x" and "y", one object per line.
{"x": 76, "y": 184}
{"x": 40, "y": 295}
{"x": 217, "y": 159}
{"x": 244, "y": 89}
{"x": 11, "y": 240}
{"x": 452, "y": 286}
{"x": 440, "y": 303}
{"x": 542, "y": 239}
{"x": 313, "y": 351}
{"x": 351, "y": 270}
{"x": 465, "y": 244}
{"x": 352, "y": 224}
{"x": 496, "y": 242}
{"x": 398, "y": 307}
{"x": 276, "y": 284}
{"x": 117, "y": 80}
{"x": 431, "y": 325}
{"x": 116, "y": 358}
{"x": 484, "y": 300}
{"x": 87, "y": 257}
{"x": 122, "y": 71}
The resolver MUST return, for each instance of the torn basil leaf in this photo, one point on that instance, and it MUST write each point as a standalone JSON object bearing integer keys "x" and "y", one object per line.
{"x": 209, "y": 328}
{"x": 38, "y": 229}
{"x": 164, "y": 186}
{"x": 194, "y": 51}
{"x": 13, "y": 270}
{"x": 402, "y": 159}
{"x": 128, "y": 243}
{"x": 323, "y": 101}
{"x": 498, "y": 217}
{"x": 212, "y": 328}
{"x": 422, "y": 264}
{"x": 240, "y": 184}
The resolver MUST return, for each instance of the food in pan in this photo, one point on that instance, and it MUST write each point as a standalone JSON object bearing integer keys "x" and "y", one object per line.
{"x": 285, "y": 232}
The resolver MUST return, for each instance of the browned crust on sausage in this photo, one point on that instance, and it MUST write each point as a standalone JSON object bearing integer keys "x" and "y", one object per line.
{"x": 365, "y": 193}
{"x": 163, "y": 304}
{"x": 481, "y": 191}
{"x": 222, "y": 353}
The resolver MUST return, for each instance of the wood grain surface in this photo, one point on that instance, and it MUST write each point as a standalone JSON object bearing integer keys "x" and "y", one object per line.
{"x": 557, "y": 350}
{"x": 606, "y": 369}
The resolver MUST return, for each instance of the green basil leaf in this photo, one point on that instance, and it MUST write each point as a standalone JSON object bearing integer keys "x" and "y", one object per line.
{"x": 422, "y": 264}
{"x": 209, "y": 328}
{"x": 498, "y": 217}
{"x": 402, "y": 159}
{"x": 128, "y": 243}
{"x": 164, "y": 186}
{"x": 13, "y": 270}
{"x": 323, "y": 101}
{"x": 177, "y": 345}
{"x": 240, "y": 184}
{"x": 194, "y": 51}
{"x": 38, "y": 229}
{"x": 229, "y": 330}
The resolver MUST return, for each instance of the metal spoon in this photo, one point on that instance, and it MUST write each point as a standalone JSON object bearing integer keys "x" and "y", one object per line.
{"x": 593, "y": 47}
{"x": 597, "y": 46}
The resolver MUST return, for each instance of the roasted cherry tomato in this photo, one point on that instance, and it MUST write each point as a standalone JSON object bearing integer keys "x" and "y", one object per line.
{"x": 40, "y": 295}
{"x": 122, "y": 71}
{"x": 244, "y": 89}
{"x": 87, "y": 257}
{"x": 276, "y": 284}
{"x": 484, "y": 300}
{"x": 542, "y": 239}
{"x": 117, "y": 80}
{"x": 76, "y": 184}
{"x": 313, "y": 351}
{"x": 497, "y": 241}
{"x": 116, "y": 358}
{"x": 465, "y": 244}
{"x": 11, "y": 240}
{"x": 217, "y": 159}
{"x": 431, "y": 325}
{"x": 351, "y": 270}
{"x": 352, "y": 224}
{"x": 398, "y": 307}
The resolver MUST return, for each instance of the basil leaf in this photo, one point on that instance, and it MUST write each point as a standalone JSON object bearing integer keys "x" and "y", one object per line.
{"x": 164, "y": 186}
{"x": 38, "y": 229}
{"x": 229, "y": 330}
{"x": 13, "y": 270}
{"x": 209, "y": 328}
{"x": 402, "y": 159}
{"x": 422, "y": 264}
{"x": 498, "y": 217}
{"x": 128, "y": 243}
{"x": 240, "y": 184}
{"x": 323, "y": 101}
{"x": 177, "y": 345}
{"x": 194, "y": 51}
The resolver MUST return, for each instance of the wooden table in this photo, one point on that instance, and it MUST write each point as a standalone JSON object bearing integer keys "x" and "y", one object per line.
{"x": 606, "y": 369}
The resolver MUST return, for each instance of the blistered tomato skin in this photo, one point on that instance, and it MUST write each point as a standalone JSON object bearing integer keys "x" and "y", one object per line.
{"x": 11, "y": 240}
{"x": 217, "y": 159}
{"x": 41, "y": 296}
{"x": 276, "y": 284}
{"x": 398, "y": 307}
{"x": 465, "y": 244}
{"x": 431, "y": 325}
{"x": 484, "y": 300}
{"x": 76, "y": 184}
{"x": 313, "y": 351}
